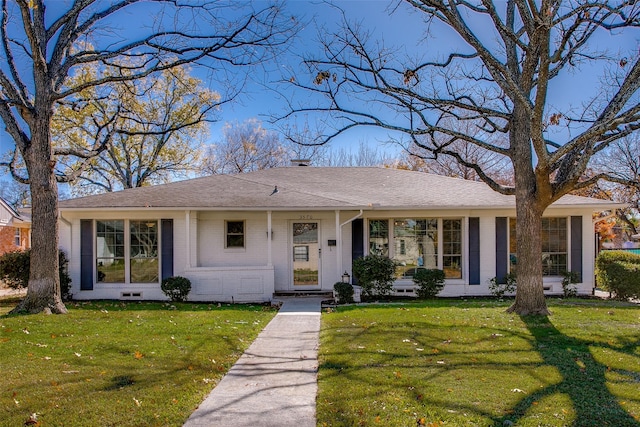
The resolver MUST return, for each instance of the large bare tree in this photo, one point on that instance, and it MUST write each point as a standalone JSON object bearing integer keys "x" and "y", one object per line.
{"x": 504, "y": 62}
{"x": 45, "y": 44}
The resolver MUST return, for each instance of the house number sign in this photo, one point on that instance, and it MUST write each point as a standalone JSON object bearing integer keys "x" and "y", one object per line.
{"x": 305, "y": 216}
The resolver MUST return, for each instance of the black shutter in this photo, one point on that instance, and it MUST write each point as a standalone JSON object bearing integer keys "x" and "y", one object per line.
{"x": 86, "y": 255}
{"x": 502, "y": 248}
{"x": 474, "y": 251}
{"x": 357, "y": 238}
{"x": 357, "y": 242}
{"x": 576, "y": 246}
{"x": 167, "y": 248}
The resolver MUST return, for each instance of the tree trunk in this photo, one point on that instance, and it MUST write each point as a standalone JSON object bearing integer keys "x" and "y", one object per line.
{"x": 43, "y": 291}
{"x": 530, "y": 291}
{"x": 530, "y": 205}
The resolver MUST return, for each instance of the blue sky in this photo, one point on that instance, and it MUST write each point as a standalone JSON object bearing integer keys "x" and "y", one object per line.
{"x": 256, "y": 102}
{"x": 402, "y": 29}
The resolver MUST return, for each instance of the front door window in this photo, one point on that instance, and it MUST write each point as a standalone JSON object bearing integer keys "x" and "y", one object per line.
{"x": 306, "y": 254}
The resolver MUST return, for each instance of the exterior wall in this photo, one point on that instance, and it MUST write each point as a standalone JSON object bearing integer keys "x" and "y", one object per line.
{"x": 8, "y": 238}
{"x": 264, "y": 265}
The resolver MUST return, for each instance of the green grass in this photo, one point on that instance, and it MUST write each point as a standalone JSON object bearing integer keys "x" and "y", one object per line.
{"x": 119, "y": 364}
{"x": 460, "y": 363}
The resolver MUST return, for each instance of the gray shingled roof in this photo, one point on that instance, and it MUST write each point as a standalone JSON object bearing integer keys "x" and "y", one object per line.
{"x": 315, "y": 187}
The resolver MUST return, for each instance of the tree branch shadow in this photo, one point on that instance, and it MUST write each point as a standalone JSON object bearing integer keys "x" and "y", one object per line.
{"x": 584, "y": 379}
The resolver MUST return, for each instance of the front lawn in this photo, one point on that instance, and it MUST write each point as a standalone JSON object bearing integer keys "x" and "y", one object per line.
{"x": 458, "y": 363}
{"x": 119, "y": 364}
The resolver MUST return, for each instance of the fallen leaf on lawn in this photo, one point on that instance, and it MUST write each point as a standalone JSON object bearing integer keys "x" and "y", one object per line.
{"x": 516, "y": 390}
{"x": 440, "y": 362}
{"x": 26, "y": 331}
{"x": 136, "y": 401}
{"x": 78, "y": 354}
{"x": 32, "y": 420}
{"x": 138, "y": 355}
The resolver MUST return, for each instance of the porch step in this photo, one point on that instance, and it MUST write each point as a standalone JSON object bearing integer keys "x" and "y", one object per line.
{"x": 323, "y": 294}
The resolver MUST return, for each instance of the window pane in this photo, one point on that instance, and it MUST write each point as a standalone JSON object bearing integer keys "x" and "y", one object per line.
{"x": 110, "y": 270}
{"x": 554, "y": 245}
{"x": 379, "y": 237}
{"x": 144, "y": 270}
{"x": 235, "y": 227}
{"x": 234, "y": 234}
{"x": 235, "y": 241}
{"x": 451, "y": 267}
{"x": 143, "y": 251}
{"x": 301, "y": 253}
{"x": 452, "y": 248}
{"x": 110, "y": 251}
{"x": 416, "y": 245}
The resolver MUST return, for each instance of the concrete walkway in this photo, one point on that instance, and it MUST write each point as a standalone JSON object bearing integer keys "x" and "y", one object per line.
{"x": 274, "y": 382}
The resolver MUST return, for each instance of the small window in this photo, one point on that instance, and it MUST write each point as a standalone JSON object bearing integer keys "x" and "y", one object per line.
{"x": 17, "y": 237}
{"x": 301, "y": 253}
{"x": 234, "y": 234}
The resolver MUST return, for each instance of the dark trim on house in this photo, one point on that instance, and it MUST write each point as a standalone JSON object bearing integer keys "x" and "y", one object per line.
{"x": 167, "y": 248}
{"x": 86, "y": 255}
{"x": 576, "y": 246}
{"x": 502, "y": 248}
{"x": 474, "y": 251}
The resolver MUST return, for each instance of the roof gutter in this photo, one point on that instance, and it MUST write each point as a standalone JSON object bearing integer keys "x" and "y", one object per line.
{"x": 352, "y": 219}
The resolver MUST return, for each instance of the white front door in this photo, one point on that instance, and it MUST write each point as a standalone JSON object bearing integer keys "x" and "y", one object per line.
{"x": 306, "y": 255}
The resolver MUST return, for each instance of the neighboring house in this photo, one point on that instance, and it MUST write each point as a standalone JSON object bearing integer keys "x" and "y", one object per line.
{"x": 15, "y": 228}
{"x": 238, "y": 239}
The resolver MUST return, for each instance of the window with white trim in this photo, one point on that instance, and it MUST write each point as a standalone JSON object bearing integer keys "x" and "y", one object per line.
{"x": 17, "y": 235}
{"x": 555, "y": 245}
{"x": 127, "y": 257}
{"x": 419, "y": 243}
{"x": 234, "y": 234}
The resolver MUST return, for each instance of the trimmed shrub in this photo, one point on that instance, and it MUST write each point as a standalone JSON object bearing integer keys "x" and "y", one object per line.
{"x": 505, "y": 286}
{"x": 344, "y": 291}
{"x": 569, "y": 280}
{"x": 14, "y": 271}
{"x": 177, "y": 288}
{"x": 375, "y": 274}
{"x": 619, "y": 273}
{"x": 429, "y": 282}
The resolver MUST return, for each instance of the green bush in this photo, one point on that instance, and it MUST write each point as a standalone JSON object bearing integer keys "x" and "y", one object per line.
{"x": 619, "y": 273}
{"x": 429, "y": 282}
{"x": 344, "y": 291}
{"x": 504, "y": 286}
{"x": 177, "y": 288}
{"x": 569, "y": 280}
{"x": 14, "y": 271}
{"x": 375, "y": 274}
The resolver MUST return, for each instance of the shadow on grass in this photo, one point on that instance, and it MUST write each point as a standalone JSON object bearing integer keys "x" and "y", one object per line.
{"x": 584, "y": 379}
{"x": 462, "y": 365}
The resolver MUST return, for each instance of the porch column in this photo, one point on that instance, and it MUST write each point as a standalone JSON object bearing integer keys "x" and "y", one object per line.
{"x": 187, "y": 232}
{"x": 339, "y": 245}
{"x": 269, "y": 240}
